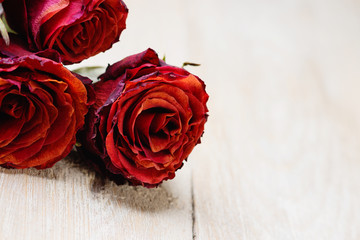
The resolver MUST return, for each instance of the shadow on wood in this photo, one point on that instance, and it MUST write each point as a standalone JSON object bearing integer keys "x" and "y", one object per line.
{"x": 73, "y": 170}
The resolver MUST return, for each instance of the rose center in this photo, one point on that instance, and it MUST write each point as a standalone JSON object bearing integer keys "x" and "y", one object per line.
{"x": 163, "y": 122}
{"x": 157, "y": 128}
{"x": 84, "y": 37}
{"x": 13, "y": 105}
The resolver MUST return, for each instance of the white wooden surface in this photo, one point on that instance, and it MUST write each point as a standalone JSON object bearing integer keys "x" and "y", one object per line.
{"x": 280, "y": 157}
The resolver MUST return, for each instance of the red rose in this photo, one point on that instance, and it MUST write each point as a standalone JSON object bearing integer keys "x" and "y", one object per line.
{"x": 77, "y": 29}
{"x": 147, "y": 118}
{"x": 42, "y": 105}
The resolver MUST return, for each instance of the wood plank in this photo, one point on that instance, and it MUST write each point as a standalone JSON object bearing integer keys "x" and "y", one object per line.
{"x": 280, "y": 155}
{"x": 69, "y": 201}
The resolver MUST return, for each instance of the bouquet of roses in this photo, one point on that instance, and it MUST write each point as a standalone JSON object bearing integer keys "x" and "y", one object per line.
{"x": 138, "y": 123}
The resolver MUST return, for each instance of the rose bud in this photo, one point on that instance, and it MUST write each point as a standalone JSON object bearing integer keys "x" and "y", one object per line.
{"x": 42, "y": 105}
{"x": 147, "y": 118}
{"x": 77, "y": 29}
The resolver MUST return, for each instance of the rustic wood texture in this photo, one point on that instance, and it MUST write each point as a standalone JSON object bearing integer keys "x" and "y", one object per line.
{"x": 280, "y": 158}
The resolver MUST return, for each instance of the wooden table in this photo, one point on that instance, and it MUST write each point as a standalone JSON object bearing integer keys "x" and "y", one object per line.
{"x": 280, "y": 157}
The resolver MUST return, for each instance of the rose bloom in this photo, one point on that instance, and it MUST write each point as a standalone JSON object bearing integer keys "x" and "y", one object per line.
{"x": 77, "y": 29}
{"x": 42, "y": 105}
{"x": 147, "y": 118}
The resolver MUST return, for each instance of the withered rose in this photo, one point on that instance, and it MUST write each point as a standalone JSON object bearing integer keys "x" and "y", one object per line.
{"x": 147, "y": 118}
{"x": 77, "y": 29}
{"x": 42, "y": 105}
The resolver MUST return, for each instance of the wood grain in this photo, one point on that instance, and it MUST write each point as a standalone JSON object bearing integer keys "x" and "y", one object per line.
{"x": 69, "y": 201}
{"x": 280, "y": 157}
{"x": 284, "y": 120}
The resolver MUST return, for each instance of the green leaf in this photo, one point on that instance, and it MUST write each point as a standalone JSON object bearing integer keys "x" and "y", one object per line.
{"x": 9, "y": 30}
{"x": 91, "y": 72}
{"x": 4, "y": 33}
{"x": 190, "y": 64}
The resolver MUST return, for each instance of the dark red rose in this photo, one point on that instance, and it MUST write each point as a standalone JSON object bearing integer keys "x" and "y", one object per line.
{"x": 42, "y": 105}
{"x": 147, "y": 118}
{"x": 77, "y": 29}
